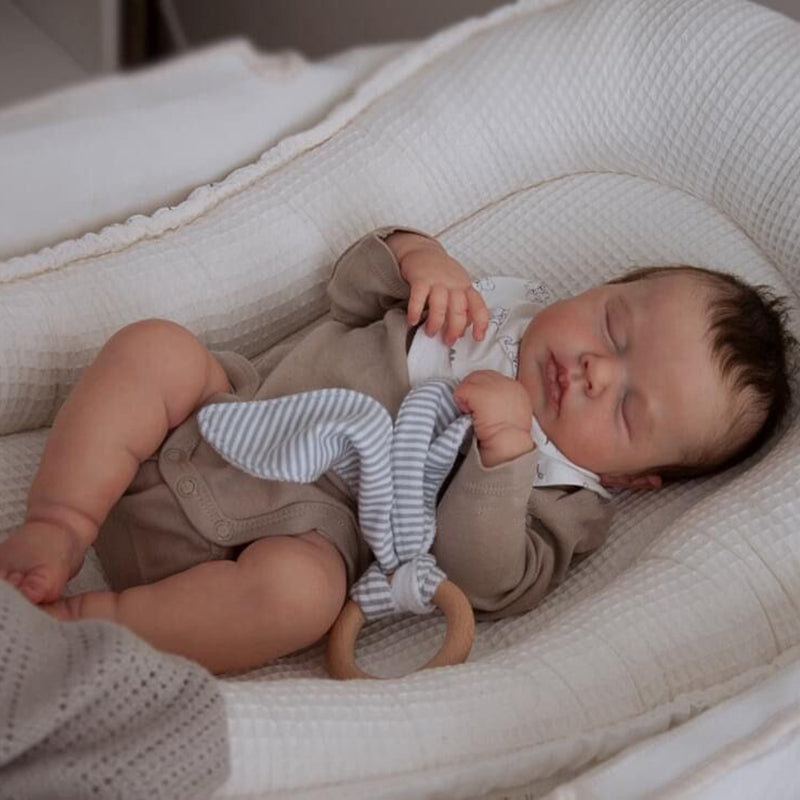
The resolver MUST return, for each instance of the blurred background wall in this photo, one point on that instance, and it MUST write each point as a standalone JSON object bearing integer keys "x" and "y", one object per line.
{"x": 319, "y": 27}
{"x": 45, "y": 44}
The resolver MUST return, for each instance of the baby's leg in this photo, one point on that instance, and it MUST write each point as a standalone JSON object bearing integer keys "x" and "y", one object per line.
{"x": 146, "y": 380}
{"x": 282, "y": 594}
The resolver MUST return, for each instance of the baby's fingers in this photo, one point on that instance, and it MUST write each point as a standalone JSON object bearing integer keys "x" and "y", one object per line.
{"x": 38, "y": 584}
{"x": 478, "y": 313}
{"x": 29, "y": 585}
{"x": 437, "y": 309}
{"x": 461, "y": 396}
{"x": 456, "y": 317}
{"x": 416, "y": 301}
{"x": 469, "y": 392}
{"x": 35, "y": 585}
{"x": 14, "y": 578}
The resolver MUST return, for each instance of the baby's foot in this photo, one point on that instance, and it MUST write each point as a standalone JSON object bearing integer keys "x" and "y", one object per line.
{"x": 39, "y": 558}
{"x": 91, "y": 605}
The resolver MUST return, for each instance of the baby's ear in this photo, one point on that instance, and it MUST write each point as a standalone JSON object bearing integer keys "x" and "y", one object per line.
{"x": 648, "y": 481}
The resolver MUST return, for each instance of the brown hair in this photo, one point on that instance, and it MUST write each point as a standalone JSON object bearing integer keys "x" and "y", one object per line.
{"x": 754, "y": 350}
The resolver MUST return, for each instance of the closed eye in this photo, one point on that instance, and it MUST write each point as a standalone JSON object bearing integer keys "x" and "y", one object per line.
{"x": 608, "y": 333}
{"x": 625, "y": 413}
{"x": 623, "y": 416}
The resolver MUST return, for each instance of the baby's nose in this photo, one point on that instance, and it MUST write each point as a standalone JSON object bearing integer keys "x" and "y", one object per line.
{"x": 599, "y": 372}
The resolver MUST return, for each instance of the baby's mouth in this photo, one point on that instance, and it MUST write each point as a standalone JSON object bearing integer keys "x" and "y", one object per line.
{"x": 555, "y": 389}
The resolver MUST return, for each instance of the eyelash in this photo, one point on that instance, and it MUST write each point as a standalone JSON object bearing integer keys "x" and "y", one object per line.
{"x": 608, "y": 332}
{"x": 624, "y": 415}
{"x": 615, "y": 346}
{"x": 616, "y": 349}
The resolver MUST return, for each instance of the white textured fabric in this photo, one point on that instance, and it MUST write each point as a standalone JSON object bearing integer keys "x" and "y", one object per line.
{"x": 569, "y": 140}
{"x": 745, "y": 748}
{"x": 76, "y": 160}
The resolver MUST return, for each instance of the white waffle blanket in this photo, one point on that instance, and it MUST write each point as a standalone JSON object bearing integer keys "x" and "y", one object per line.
{"x": 567, "y": 140}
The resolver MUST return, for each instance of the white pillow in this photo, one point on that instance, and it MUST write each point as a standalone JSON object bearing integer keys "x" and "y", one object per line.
{"x": 93, "y": 154}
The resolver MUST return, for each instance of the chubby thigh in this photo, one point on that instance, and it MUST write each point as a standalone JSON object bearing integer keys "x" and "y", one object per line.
{"x": 187, "y": 506}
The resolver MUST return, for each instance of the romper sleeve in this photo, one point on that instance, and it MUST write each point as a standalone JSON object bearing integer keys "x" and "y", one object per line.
{"x": 505, "y": 544}
{"x": 366, "y": 280}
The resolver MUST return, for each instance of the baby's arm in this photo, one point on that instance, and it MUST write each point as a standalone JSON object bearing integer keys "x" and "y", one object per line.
{"x": 146, "y": 380}
{"x": 400, "y": 269}
{"x": 507, "y": 545}
{"x": 504, "y": 544}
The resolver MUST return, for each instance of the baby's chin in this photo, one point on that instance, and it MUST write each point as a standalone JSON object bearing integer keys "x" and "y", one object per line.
{"x": 551, "y": 425}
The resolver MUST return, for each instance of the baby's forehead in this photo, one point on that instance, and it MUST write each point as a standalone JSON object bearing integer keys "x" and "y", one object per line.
{"x": 679, "y": 293}
{"x": 688, "y": 277}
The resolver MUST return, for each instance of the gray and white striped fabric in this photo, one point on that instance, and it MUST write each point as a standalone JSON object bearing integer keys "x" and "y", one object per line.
{"x": 395, "y": 471}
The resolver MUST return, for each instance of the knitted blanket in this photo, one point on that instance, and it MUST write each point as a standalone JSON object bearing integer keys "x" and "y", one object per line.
{"x": 87, "y": 709}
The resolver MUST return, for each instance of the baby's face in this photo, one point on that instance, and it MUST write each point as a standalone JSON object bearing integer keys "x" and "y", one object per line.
{"x": 621, "y": 377}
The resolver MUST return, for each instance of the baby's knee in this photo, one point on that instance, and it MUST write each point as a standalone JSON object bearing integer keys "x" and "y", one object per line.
{"x": 150, "y": 330}
{"x": 303, "y": 576}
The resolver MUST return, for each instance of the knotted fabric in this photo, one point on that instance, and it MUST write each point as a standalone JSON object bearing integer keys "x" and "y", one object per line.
{"x": 395, "y": 471}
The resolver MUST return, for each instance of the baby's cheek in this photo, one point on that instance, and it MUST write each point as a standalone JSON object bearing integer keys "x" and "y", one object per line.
{"x": 583, "y": 443}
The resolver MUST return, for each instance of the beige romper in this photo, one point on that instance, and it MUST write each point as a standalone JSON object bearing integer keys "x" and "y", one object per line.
{"x": 504, "y": 543}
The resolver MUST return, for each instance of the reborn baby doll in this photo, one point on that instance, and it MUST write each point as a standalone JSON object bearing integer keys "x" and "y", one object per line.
{"x": 668, "y": 372}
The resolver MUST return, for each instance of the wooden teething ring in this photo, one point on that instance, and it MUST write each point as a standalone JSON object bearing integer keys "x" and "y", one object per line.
{"x": 455, "y": 649}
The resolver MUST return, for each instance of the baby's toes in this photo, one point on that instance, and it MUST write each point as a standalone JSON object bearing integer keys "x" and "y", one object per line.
{"x": 59, "y": 610}
{"x": 12, "y": 577}
{"x": 40, "y": 585}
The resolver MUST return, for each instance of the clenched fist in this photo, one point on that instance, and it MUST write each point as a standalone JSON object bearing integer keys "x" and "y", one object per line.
{"x": 501, "y": 415}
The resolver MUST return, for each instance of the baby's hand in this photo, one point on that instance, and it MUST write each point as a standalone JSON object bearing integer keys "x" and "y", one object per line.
{"x": 39, "y": 558}
{"x": 501, "y": 415}
{"x": 441, "y": 283}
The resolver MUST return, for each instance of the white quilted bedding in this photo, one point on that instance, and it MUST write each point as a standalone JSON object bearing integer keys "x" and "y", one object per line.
{"x": 565, "y": 139}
